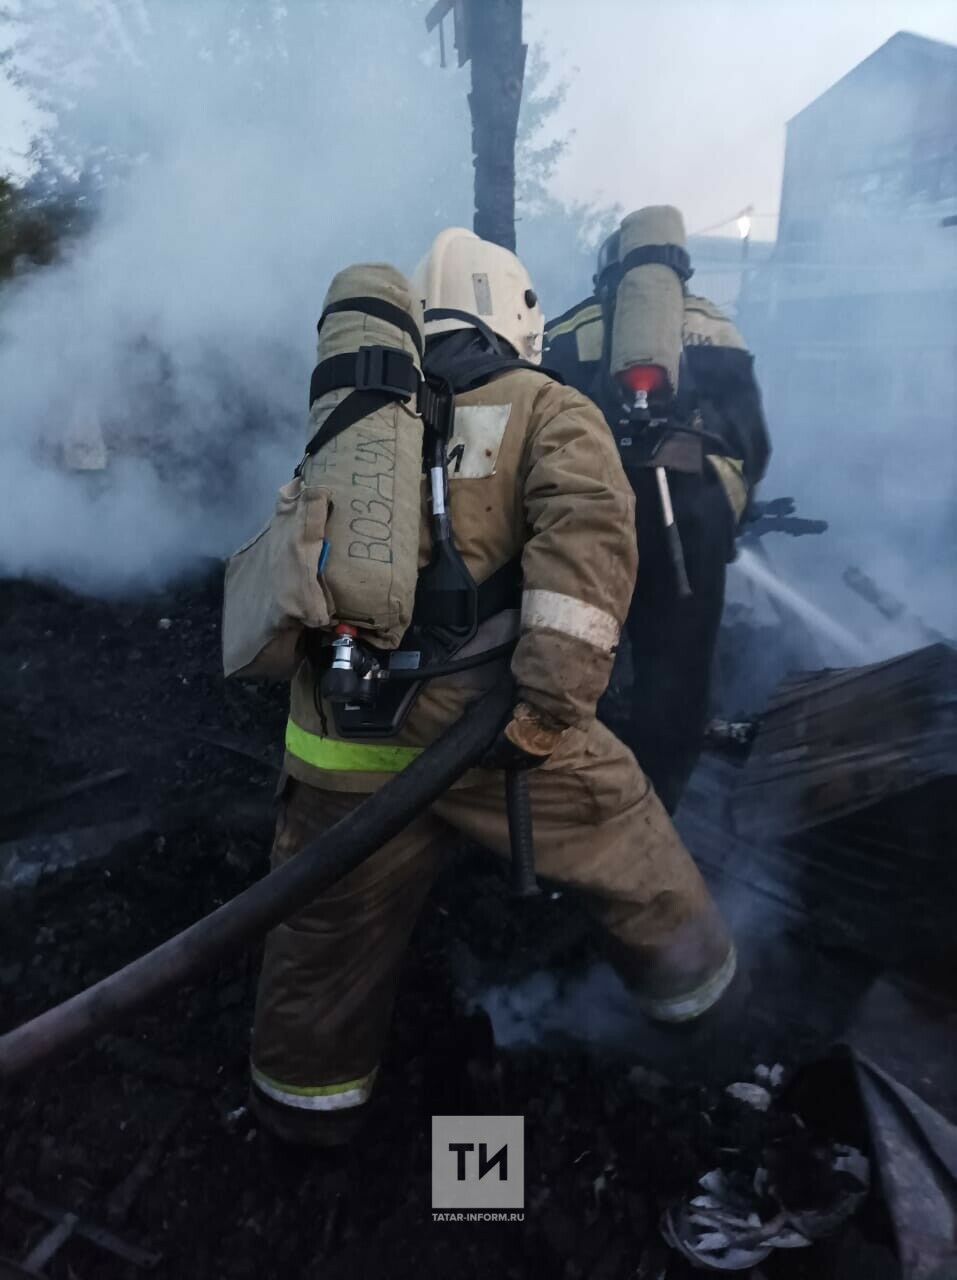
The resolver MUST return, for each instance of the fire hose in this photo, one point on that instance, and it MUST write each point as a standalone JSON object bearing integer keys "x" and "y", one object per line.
{"x": 256, "y": 910}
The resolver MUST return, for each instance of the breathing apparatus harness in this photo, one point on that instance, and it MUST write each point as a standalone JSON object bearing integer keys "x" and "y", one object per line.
{"x": 371, "y": 691}
{"x": 642, "y": 412}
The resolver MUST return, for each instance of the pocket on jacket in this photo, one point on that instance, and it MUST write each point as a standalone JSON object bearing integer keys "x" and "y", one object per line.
{"x": 274, "y": 586}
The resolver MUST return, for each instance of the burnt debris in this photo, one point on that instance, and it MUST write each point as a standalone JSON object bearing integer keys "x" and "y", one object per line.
{"x": 121, "y": 726}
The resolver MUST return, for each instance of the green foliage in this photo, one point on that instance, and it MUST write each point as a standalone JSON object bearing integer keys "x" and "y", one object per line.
{"x": 23, "y": 235}
{"x": 32, "y": 230}
{"x": 536, "y": 154}
{"x": 556, "y": 241}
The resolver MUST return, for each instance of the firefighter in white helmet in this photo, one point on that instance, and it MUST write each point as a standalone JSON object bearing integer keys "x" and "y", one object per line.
{"x": 543, "y": 517}
{"x": 463, "y": 280}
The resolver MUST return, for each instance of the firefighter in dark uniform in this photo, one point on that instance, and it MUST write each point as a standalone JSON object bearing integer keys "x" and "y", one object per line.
{"x": 711, "y": 441}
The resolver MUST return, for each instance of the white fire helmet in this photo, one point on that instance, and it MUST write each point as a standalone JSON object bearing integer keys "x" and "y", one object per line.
{"x": 464, "y": 273}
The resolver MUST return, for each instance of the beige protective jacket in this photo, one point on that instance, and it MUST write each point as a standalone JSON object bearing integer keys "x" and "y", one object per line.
{"x": 533, "y": 471}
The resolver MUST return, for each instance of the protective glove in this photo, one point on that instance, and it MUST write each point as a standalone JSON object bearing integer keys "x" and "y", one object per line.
{"x": 527, "y": 740}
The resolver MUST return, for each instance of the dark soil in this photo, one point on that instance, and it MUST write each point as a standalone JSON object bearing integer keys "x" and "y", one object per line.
{"x": 89, "y": 687}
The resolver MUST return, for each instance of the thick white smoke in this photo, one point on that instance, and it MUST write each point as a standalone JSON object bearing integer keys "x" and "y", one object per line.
{"x": 247, "y": 153}
{"x": 856, "y": 337}
{"x": 247, "y": 150}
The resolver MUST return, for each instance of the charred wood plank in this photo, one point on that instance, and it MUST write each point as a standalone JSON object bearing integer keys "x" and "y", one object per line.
{"x": 838, "y": 742}
{"x": 46, "y": 799}
{"x": 23, "y": 863}
{"x": 14, "y": 1271}
{"x": 50, "y": 1245}
{"x": 879, "y": 882}
{"x": 124, "y": 1195}
{"x": 99, "y": 1236}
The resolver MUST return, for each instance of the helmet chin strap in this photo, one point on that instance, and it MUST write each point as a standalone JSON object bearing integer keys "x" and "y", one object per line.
{"x": 473, "y": 322}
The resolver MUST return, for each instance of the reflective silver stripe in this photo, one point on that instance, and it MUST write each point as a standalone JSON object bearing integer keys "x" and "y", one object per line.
{"x": 570, "y": 616}
{"x": 437, "y": 480}
{"x": 325, "y": 1097}
{"x": 664, "y": 493}
{"x": 692, "y": 1005}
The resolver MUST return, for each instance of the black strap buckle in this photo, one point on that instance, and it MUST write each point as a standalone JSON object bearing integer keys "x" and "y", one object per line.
{"x": 437, "y": 406}
{"x": 385, "y": 369}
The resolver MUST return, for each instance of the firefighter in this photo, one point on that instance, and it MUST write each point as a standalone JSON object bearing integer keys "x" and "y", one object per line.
{"x": 714, "y": 448}
{"x": 535, "y": 483}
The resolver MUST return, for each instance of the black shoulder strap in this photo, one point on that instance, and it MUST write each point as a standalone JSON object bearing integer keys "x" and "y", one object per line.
{"x": 501, "y": 590}
{"x": 471, "y": 321}
{"x": 382, "y": 310}
{"x": 383, "y": 369}
{"x": 379, "y": 375}
{"x": 458, "y": 608}
{"x": 488, "y": 370}
{"x": 343, "y": 416}
{"x": 665, "y": 255}
{"x": 477, "y": 371}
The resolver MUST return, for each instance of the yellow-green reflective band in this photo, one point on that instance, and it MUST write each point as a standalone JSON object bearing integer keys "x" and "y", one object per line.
{"x": 346, "y": 757}
{"x": 320, "y": 1097}
{"x": 585, "y": 316}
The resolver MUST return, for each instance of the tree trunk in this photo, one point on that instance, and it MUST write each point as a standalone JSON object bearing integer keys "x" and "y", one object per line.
{"x": 498, "y": 68}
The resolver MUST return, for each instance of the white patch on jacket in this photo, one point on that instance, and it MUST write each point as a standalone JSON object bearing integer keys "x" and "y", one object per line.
{"x": 477, "y": 437}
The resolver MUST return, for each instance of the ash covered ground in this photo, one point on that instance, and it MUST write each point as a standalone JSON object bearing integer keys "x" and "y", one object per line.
{"x": 146, "y": 1133}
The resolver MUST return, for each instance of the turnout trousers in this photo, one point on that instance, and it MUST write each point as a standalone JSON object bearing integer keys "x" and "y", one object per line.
{"x": 672, "y": 639}
{"x": 330, "y": 972}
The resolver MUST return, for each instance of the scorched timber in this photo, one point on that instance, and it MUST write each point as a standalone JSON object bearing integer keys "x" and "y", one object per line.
{"x": 837, "y": 742}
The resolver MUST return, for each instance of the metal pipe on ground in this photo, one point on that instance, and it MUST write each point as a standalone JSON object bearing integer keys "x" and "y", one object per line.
{"x": 265, "y": 904}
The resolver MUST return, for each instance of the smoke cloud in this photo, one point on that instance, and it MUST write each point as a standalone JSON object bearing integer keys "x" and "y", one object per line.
{"x": 855, "y": 334}
{"x": 243, "y": 154}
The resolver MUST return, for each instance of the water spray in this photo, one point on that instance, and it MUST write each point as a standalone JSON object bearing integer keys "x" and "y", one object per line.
{"x": 756, "y": 571}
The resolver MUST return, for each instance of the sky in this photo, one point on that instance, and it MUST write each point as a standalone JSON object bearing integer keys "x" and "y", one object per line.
{"x": 685, "y": 101}
{"x": 672, "y": 101}
{"x": 19, "y": 118}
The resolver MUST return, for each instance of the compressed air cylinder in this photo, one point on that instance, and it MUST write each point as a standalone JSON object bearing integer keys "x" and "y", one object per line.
{"x": 372, "y": 470}
{"x": 649, "y": 308}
